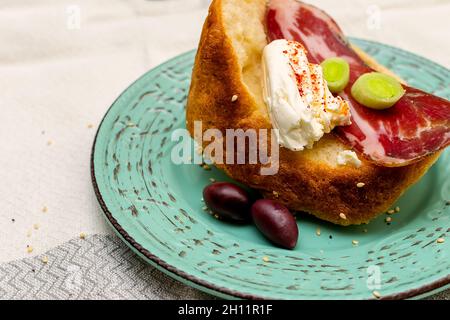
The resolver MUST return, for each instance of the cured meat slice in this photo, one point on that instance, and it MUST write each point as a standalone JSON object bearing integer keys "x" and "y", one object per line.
{"x": 416, "y": 126}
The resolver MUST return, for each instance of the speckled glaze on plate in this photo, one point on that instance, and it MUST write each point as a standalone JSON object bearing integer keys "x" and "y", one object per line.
{"x": 155, "y": 206}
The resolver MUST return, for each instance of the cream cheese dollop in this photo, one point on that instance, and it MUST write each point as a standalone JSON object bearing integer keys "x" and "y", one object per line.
{"x": 298, "y": 100}
{"x": 348, "y": 158}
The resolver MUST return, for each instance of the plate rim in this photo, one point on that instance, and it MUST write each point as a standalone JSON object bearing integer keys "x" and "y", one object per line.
{"x": 202, "y": 284}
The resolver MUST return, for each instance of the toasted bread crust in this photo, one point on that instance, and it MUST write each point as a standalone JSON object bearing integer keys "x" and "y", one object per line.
{"x": 303, "y": 182}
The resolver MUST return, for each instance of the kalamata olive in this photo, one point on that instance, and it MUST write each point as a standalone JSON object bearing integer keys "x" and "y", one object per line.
{"x": 228, "y": 200}
{"x": 276, "y": 222}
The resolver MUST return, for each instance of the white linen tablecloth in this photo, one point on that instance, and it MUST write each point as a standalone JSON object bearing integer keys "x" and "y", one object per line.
{"x": 62, "y": 64}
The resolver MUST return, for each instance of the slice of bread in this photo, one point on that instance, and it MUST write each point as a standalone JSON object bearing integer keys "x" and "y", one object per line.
{"x": 228, "y": 63}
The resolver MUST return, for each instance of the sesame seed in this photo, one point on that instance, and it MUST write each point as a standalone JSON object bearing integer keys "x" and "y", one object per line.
{"x": 216, "y": 216}
{"x": 440, "y": 240}
{"x": 234, "y": 98}
{"x": 202, "y": 200}
{"x": 388, "y": 219}
{"x": 28, "y": 233}
{"x": 36, "y": 226}
{"x": 131, "y": 124}
{"x": 49, "y": 142}
{"x": 355, "y": 242}
{"x": 29, "y": 249}
{"x": 391, "y": 211}
{"x": 45, "y": 259}
{"x": 376, "y": 294}
{"x": 212, "y": 179}
{"x": 90, "y": 126}
{"x": 365, "y": 231}
{"x": 44, "y": 209}
{"x": 360, "y": 184}
{"x": 318, "y": 231}
{"x": 83, "y": 235}
{"x": 206, "y": 167}
{"x": 205, "y": 208}
{"x": 343, "y": 216}
{"x": 266, "y": 259}
{"x": 397, "y": 209}
{"x": 276, "y": 194}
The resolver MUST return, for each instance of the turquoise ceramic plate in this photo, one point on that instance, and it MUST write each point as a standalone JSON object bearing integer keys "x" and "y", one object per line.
{"x": 156, "y": 208}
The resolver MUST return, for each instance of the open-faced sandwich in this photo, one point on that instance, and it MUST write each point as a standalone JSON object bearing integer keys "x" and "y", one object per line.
{"x": 352, "y": 136}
